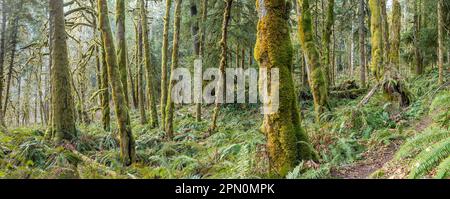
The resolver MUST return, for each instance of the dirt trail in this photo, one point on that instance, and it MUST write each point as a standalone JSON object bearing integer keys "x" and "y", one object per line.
{"x": 374, "y": 160}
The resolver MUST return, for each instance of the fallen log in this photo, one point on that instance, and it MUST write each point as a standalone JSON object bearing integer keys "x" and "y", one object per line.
{"x": 348, "y": 94}
{"x": 369, "y": 95}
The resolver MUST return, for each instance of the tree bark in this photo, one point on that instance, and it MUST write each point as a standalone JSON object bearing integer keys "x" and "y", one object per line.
{"x": 121, "y": 46}
{"x": 223, "y": 63}
{"x": 170, "y": 104}
{"x": 165, "y": 46}
{"x": 362, "y": 43}
{"x": 287, "y": 142}
{"x": 127, "y": 145}
{"x": 63, "y": 108}
{"x": 148, "y": 66}
{"x": 441, "y": 41}
{"x": 317, "y": 79}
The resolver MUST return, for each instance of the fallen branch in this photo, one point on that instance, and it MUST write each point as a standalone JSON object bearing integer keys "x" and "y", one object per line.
{"x": 366, "y": 99}
{"x": 350, "y": 94}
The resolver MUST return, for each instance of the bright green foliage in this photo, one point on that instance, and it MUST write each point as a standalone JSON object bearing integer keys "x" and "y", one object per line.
{"x": 440, "y": 109}
{"x": 430, "y": 158}
{"x": 421, "y": 142}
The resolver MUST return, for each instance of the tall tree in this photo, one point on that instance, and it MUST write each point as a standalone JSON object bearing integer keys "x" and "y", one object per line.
{"x": 2, "y": 55}
{"x": 105, "y": 98}
{"x": 170, "y": 104}
{"x": 149, "y": 68}
{"x": 62, "y": 99}
{"x": 286, "y": 140}
{"x": 326, "y": 40}
{"x": 418, "y": 61}
{"x": 385, "y": 30}
{"x": 165, "y": 47}
{"x": 223, "y": 63}
{"x": 140, "y": 77}
{"x": 122, "y": 46}
{"x": 441, "y": 41}
{"x": 317, "y": 79}
{"x": 195, "y": 31}
{"x": 376, "y": 40}
{"x": 396, "y": 35}
{"x": 362, "y": 42}
{"x": 127, "y": 145}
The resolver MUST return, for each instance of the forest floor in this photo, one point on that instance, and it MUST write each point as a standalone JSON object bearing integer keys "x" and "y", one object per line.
{"x": 375, "y": 160}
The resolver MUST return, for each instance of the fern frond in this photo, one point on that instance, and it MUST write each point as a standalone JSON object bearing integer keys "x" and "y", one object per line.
{"x": 430, "y": 158}
{"x": 443, "y": 170}
{"x": 422, "y": 141}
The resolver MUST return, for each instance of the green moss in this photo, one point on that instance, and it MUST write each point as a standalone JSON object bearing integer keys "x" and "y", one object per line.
{"x": 274, "y": 50}
{"x": 318, "y": 75}
{"x": 376, "y": 40}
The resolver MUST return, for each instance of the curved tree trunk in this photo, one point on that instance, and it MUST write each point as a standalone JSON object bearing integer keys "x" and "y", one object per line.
{"x": 286, "y": 140}
{"x": 127, "y": 145}
{"x": 317, "y": 79}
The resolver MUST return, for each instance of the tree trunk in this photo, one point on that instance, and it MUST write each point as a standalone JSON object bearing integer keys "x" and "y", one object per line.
{"x": 165, "y": 46}
{"x": 417, "y": 52}
{"x": 148, "y": 66}
{"x": 362, "y": 43}
{"x": 317, "y": 79}
{"x": 127, "y": 145}
{"x": 170, "y": 104}
{"x": 106, "y": 110}
{"x": 121, "y": 46}
{"x": 2, "y": 57}
{"x": 63, "y": 108}
{"x": 219, "y": 95}
{"x": 326, "y": 40}
{"x": 385, "y": 29}
{"x": 376, "y": 41}
{"x": 287, "y": 142}
{"x": 202, "y": 41}
{"x": 140, "y": 84}
{"x": 441, "y": 41}
{"x": 396, "y": 35}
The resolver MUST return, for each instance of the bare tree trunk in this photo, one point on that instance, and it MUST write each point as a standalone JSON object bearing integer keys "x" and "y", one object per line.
{"x": 223, "y": 62}
{"x": 2, "y": 57}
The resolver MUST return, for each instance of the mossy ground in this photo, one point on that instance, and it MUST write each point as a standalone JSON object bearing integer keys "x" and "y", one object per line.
{"x": 236, "y": 150}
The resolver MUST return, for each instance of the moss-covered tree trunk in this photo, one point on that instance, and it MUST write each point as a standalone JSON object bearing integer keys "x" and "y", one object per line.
{"x": 140, "y": 83}
{"x": 317, "y": 76}
{"x": 165, "y": 47}
{"x": 170, "y": 104}
{"x": 376, "y": 40}
{"x": 151, "y": 94}
{"x": 127, "y": 145}
{"x": 441, "y": 41}
{"x": 386, "y": 35}
{"x": 418, "y": 62}
{"x": 326, "y": 40}
{"x": 63, "y": 107}
{"x": 396, "y": 35}
{"x": 286, "y": 140}
{"x": 223, "y": 63}
{"x": 122, "y": 46}
{"x": 106, "y": 110}
{"x": 362, "y": 42}
{"x": 196, "y": 35}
